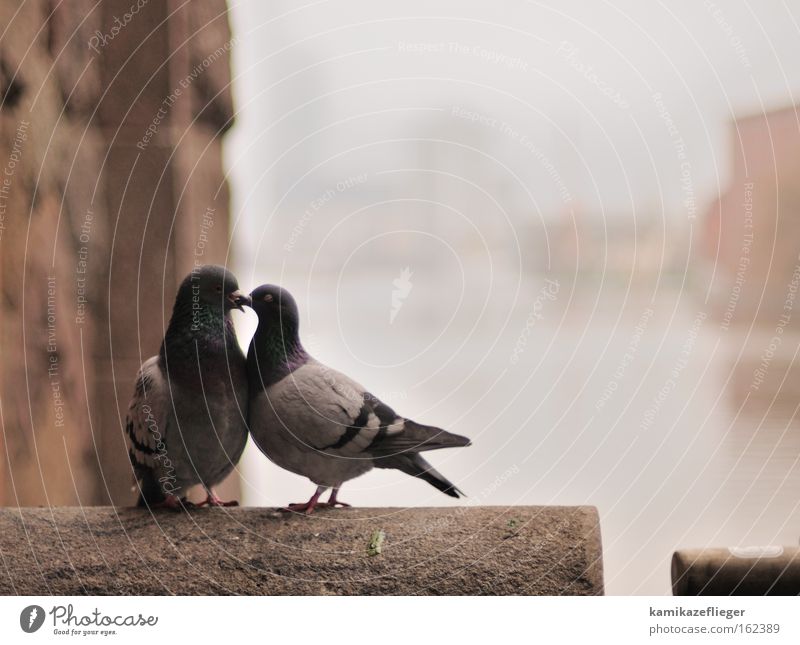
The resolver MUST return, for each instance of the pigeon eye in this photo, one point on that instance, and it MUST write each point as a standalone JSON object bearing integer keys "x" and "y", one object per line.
{"x": 268, "y": 298}
{"x": 219, "y": 289}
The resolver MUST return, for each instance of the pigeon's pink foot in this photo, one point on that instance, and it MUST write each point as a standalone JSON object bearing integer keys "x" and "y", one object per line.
{"x": 335, "y": 503}
{"x": 306, "y": 508}
{"x": 213, "y": 500}
{"x": 173, "y": 503}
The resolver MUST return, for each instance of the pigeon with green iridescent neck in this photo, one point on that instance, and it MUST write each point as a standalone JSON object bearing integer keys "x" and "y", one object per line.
{"x": 317, "y": 422}
{"x": 187, "y": 421}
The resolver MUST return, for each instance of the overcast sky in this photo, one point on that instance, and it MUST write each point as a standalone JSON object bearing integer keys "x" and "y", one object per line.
{"x": 578, "y": 80}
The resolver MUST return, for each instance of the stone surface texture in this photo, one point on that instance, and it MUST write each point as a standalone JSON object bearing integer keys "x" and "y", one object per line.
{"x": 527, "y": 550}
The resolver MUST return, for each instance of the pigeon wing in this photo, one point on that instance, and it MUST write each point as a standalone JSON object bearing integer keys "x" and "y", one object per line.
{"x": 148, "y": 415}
{"x": 327, "y": 411}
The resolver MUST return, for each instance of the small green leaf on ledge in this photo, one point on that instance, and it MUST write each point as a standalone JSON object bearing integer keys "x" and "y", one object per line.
{"x": 511, "y": 528}
{"x": 376, "y": 543}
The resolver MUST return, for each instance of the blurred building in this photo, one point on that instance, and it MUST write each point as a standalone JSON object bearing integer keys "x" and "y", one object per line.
{"x": 752, "y": 231}
{"x": 618, "y": 247}
{"x": 752, "y": 247}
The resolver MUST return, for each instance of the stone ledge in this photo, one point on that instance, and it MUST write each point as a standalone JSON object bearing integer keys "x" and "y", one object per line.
{"x": 525, "y": 550}
{"x": 749, "y": 571}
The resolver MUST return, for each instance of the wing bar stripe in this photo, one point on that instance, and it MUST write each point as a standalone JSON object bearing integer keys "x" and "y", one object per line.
{"x": 141, "y": 447}
{"x": 352, "y": 430}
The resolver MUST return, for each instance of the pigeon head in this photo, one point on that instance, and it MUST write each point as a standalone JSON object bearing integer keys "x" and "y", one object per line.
{"x": 202, "y": 313}
{"x": 276, "y": 349}
{"x": 275, "y": 306}
{"x": 213, "y": 287}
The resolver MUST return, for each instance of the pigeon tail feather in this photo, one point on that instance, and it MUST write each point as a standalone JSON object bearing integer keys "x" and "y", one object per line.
{"x": 419, "y": 438}
{"x": 416, "y": 466}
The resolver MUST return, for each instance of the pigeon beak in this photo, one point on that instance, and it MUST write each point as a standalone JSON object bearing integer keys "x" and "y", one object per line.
{"x": 238, "y": 300}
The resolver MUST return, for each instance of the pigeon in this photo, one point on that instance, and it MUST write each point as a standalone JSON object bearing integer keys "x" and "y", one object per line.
{"x": 186, "y": 422}
{"x": 317, "y": 422}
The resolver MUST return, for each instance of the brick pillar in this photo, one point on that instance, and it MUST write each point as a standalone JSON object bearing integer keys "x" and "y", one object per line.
{"x": 121, "y": 176}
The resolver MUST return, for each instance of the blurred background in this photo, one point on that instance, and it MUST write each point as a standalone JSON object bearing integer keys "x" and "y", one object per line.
{"x": 568, "y": 230}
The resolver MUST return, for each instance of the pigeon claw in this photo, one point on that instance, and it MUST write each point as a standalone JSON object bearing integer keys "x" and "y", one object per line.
{"x": 213, "y": 500}
{"x": 305, "y": 507}
{"x": 333, "y": 502}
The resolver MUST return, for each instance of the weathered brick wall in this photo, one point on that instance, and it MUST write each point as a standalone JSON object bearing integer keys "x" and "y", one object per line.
{"x": 110, "y": 130}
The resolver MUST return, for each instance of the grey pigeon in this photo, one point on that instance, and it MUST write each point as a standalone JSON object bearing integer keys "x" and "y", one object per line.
{"x": 187, "y": 421}
{"x": 316, "y": 422}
